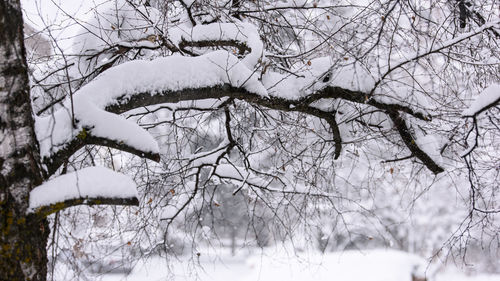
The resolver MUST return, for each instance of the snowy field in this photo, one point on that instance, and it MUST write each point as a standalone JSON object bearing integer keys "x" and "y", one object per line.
{"x": 267, "y": 265}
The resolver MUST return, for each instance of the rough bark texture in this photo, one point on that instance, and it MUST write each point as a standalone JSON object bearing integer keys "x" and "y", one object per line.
{"x": 22, "y": 238}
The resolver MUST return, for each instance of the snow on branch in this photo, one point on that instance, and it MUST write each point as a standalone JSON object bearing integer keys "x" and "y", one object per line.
{"x": 66, "y": 131}
{"x": 85, "y": 120}
{"x": 91, "y": 116}
{"x": 88, "y": 186}
{"x": 304, "y": 105}
{"x": 487, "y": 99}
{"x": 125, "y": 25}
{"x": 220, "y": 34}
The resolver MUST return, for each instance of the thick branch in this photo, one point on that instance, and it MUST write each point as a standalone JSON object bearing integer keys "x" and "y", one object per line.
{"x": 47, "y": 210}
{"x": 88, "y": 186}
{"x": 242, "y": 48}
{"x": 330, "y": 119}
{"x": 411, "y": 144}
{"x": 86, "y": 138}
{"x": 363, "y": 98}
{"x": 301, "y": 105}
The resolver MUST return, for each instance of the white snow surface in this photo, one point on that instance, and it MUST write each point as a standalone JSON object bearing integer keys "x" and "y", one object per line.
{"x": 376, "y": 265}
{"x": 488, "y": 96}
{"x": 91, "y": 182}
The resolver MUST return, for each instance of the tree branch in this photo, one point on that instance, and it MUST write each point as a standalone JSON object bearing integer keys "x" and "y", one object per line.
{"x": 88, "y": 186}
{"x": 302, "y": 105}
{"x": 409, "y": 141}
{"x": 45, "y": 211}
{"x": 57, "y": 159}
{"x": 363, "y": 98}
{"x": 242, "y": 48}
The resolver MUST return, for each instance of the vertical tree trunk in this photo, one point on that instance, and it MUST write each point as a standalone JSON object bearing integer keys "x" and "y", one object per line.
{"x": 23, "y": 238}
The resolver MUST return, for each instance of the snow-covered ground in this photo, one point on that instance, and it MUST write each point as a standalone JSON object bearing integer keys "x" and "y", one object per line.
{"x": 272, "y": 265}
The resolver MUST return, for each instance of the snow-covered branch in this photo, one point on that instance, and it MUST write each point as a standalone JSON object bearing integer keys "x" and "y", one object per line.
{"x": 279, "y": 103}
{"x": 89, "y": 186}
{"x": 173, "y": 79}
{"x": 487, "y": 99}
{"x": 243, "y": 36}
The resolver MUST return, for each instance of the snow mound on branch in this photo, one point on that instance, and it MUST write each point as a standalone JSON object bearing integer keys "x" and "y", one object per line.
{"x": 239, "y": 31}
{"x": 91, "y": 182}
{"x": 117, "y": 22}
{"x": 174, "y": 73}
{"x": 488, "y": 97}
{"x": 56, "y": 131}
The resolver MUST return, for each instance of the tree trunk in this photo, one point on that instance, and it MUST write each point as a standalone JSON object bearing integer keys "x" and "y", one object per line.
{"x": 23, "y": 238}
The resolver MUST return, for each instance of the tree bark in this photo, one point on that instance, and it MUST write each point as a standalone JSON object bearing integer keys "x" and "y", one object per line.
{"x": 23, "y": 238}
